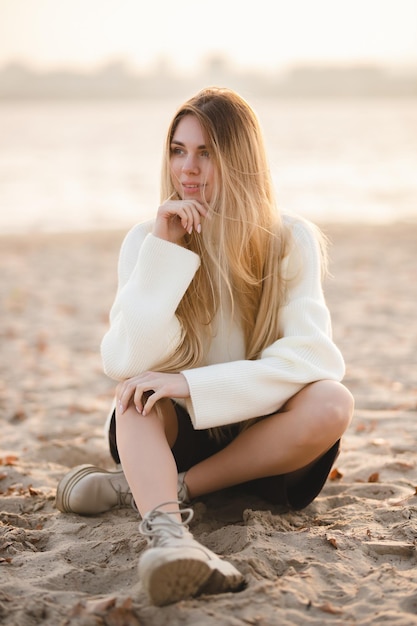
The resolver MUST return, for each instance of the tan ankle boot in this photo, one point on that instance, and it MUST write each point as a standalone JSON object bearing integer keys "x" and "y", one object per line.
{"x": 176, "y": 566}
{"x": 90, "y": 490}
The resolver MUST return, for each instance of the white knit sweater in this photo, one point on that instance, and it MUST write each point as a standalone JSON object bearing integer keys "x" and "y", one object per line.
{"x": 153, "y": 277}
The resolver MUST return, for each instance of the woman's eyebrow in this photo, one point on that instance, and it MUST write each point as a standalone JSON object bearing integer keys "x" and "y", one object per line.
{"x": 180, "y": 143}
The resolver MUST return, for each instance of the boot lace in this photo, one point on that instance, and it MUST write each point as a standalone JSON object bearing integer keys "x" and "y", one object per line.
{"x": 160, "y": 526}
{"x": 124, "y": 497}
{"x": 183, "y": 494}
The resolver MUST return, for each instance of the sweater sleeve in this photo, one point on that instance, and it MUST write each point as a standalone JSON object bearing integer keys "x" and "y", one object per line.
{"x": 226, "y": 393}
{"x": 153, "y": 276}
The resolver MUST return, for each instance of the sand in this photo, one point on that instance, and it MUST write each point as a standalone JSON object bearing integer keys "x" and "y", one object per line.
{"x": 348, "y": 558}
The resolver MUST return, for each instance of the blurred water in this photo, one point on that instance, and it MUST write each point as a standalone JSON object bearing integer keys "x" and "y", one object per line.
{"x": 85, "y": 165}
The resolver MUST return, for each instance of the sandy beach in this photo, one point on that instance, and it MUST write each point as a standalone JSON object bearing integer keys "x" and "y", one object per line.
{"x": 349, "y": 558}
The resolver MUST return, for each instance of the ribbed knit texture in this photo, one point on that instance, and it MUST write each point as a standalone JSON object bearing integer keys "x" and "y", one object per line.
{"x": 153, "y": 277}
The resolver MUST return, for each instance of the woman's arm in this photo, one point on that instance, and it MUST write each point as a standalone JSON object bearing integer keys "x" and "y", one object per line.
{"x": 153, "y": 277}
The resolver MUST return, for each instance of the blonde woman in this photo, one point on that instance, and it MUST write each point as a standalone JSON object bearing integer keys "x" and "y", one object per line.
{"x": 221, "y": 340}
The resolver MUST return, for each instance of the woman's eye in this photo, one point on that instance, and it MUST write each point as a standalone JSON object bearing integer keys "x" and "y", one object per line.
{"x": 205, "y": 153}
{"x": 176, "y": 150}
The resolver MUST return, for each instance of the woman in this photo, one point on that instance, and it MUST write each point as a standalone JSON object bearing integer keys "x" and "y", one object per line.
{"x": 221, "y": 339}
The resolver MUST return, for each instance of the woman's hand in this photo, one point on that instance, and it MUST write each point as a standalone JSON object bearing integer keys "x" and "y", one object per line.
{"x": 175, "y": 218}
{"x": 137, "y": 389}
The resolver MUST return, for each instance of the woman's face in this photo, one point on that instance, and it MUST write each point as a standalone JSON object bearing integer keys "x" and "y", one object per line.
{"x": 192, "y": 169}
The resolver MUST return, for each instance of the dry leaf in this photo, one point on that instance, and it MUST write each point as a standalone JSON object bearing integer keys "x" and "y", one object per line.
{"x": 335, "y": 474}
{"x": 329, "y": 608}
{"x": 374, "y": 478}
{"x": 120, "y": 616}
{"x": 127, "y": 604}
{"x": 19, "y": 415}
{"x": 79, "y": 611}
{"x": 105, "y": 611}
{"x": 76, "y": 610}
{"x": 10, "y": 459}
{"x": 332, "y": 541}
{"x": 41, "y": 343}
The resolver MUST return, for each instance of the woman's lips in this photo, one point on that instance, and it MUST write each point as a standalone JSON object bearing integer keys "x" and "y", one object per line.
{"x": 192, "y": 188}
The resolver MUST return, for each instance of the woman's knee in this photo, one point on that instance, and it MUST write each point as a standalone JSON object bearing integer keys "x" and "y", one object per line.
{"x": 334, "y": 405}
{"x": 163, "y": 411}
{"x": 328, "y": 406}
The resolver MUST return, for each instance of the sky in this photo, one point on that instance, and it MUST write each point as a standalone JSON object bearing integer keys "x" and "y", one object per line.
{"x": 257, "y": 34}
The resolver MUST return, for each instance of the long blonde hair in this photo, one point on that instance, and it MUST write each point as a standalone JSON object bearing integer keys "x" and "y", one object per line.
{"x": 243, "y": 244}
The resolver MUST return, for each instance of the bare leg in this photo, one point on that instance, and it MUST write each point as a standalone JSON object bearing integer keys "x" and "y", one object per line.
{"x": 311, "y": 422}
{"x": 175, "y": 566}
{"x": 145, "y": 453}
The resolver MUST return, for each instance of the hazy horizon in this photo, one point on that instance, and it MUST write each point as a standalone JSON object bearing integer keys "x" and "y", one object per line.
{"x": 119, "y": 80}
{"x": 74, "y": 34}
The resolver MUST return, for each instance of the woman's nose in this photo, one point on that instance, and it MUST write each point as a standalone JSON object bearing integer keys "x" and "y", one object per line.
{"x": 190, "y": 164}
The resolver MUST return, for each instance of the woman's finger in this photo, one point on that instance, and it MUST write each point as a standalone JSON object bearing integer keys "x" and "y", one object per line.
{"x": 141, "y": 397}
{"x": 186, "y": 217}
{"x": 127, "y": 393}
{"x": 123, "y": 396}
{"x": 195, "y": 216}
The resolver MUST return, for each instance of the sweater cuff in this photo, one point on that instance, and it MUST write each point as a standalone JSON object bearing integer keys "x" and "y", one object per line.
{"x": 161, "y": 263}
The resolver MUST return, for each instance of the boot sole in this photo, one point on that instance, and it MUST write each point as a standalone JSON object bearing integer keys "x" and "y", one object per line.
{"x": 224, "y": 577}
{"x": 176, "y": 580}
{"x": 185, "y": 578}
